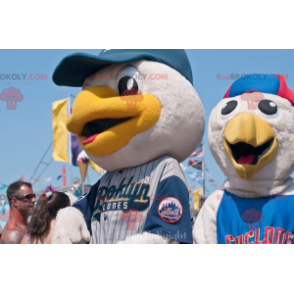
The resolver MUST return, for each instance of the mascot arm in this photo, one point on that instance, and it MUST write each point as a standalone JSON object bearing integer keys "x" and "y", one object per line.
{"x": 205, "y": 228}
{"x": 73, "y": 224}
{"x": 160, "y": 228}
{"x": 70, "y": 227}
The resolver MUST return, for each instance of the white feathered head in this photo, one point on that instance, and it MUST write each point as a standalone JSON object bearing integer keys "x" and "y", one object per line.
{"x": 136, "y": 106}
{"x": 251, "y": 131}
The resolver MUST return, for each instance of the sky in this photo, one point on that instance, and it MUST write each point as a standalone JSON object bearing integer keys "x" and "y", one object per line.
{"x": 26, "y": 132}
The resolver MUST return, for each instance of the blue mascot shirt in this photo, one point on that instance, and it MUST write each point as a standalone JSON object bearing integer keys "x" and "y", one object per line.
{"x": 268, "y": 220}
{"x": 150, "y": 198}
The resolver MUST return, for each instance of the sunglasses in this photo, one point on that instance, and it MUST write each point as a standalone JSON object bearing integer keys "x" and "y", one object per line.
{"x": 27, "y": 197}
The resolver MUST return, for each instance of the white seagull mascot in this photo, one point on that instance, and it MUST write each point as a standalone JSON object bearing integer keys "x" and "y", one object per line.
{"x": 138, "y": 116}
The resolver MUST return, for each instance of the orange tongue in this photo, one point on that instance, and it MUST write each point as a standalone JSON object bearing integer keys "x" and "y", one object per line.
{"x": 246, "y": 160}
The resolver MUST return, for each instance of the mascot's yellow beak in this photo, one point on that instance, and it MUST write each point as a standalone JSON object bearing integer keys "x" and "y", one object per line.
{"x": 105, "y": 122}
{"x": 250, "y": 143}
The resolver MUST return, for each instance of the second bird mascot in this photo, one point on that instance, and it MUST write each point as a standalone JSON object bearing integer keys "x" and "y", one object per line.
{"x": 251, "y": 136}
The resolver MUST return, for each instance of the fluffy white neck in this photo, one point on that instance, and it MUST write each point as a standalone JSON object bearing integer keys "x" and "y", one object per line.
{"x": 256, "y": 188}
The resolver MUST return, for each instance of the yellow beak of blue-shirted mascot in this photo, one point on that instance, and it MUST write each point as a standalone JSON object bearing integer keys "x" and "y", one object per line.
{"x": 251, "y": 136}
{"x": 137, "y": 116}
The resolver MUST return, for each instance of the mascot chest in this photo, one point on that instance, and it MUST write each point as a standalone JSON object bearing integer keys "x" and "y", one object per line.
{"x": 267, "y": 220}
{"x": 148, "y": 198}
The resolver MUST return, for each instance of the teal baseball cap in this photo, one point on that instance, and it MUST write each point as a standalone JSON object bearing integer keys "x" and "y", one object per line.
{"x": 74, "y": 69}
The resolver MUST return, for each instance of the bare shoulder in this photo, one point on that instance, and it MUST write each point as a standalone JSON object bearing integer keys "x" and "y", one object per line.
{"x": 11, "y": 237}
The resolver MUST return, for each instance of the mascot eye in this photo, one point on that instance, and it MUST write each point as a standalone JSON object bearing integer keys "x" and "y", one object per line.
{"x": 268, "y": 107}
{"x": 129, "y": 82}
{"x": 230, "y": 107}
{"x": 127, "y": 86}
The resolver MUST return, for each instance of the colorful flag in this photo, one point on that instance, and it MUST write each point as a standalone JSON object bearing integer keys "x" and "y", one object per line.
{"x": 60, "y": 133}
{"x": 196, "y": 198}
{"x": 197, "y": 176}
{"x": 76, "y": 149}
{"x": 97, "y": 168}
{"x": 79, "y": 157}
{"x": 84, "y": 160}
{"x": 83, "y": 166}
{"x": 197, "y": 164}
{"x": 63, "y": 176}
{"x": 199, "y": 152}
{"x": 3, "y": 187}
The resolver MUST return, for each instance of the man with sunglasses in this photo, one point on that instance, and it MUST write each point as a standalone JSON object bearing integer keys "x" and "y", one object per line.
{"x": 21, "y": 199}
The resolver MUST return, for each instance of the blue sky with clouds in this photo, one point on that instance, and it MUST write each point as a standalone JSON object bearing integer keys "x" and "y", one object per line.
{"x": 27, "y": 131}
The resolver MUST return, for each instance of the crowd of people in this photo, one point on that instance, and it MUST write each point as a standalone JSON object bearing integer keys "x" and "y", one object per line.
{"x": 32, "y": 217}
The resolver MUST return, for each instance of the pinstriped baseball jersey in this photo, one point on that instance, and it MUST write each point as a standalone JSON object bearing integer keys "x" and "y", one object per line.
{"x": 149, "y": 198}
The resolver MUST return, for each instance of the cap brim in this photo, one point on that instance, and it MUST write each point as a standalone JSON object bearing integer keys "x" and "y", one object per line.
{"x": 74, "y": 69}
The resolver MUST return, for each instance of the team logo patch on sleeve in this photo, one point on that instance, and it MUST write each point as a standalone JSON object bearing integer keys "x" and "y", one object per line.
{"x": 170, "y": 210}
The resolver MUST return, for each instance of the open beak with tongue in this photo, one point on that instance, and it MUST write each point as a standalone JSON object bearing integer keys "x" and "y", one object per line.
{"x": 250, "y": 143}
{"x": 104, "y": 122}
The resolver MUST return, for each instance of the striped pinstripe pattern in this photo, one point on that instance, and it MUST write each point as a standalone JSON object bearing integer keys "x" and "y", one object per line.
{"x": 116, "y": 226}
